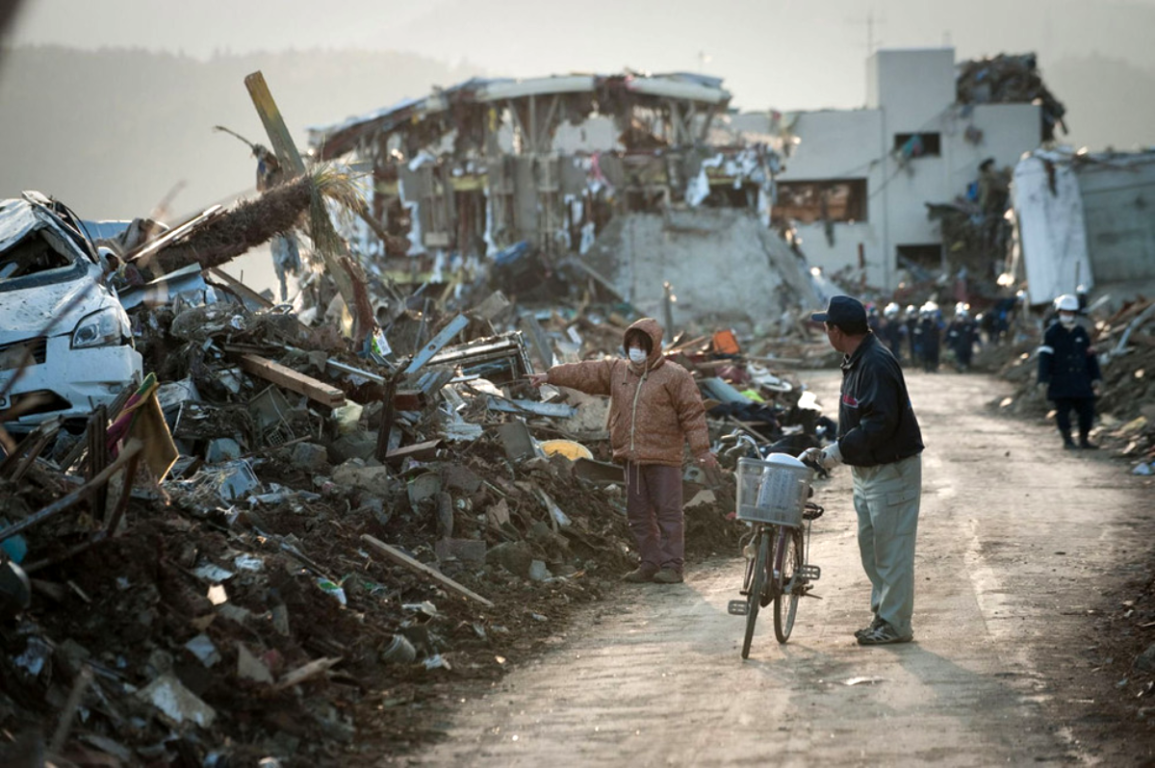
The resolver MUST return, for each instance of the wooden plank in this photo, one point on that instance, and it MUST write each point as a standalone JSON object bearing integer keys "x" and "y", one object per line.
{"x": 293, "y": 381}
{"x": 425, "y": 451}
{"x": 401, "y": 558}
{"x": 133, "y": 447}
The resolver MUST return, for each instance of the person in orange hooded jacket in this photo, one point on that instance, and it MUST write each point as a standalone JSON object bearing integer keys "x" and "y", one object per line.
{"x": 655, "y": 409}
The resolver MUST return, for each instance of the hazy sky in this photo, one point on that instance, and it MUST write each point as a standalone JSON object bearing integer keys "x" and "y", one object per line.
{"x": 790, "y": 55}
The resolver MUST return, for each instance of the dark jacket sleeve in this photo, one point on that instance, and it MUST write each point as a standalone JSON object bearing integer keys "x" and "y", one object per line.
{"x": 1046, "y": 357}
{"x": 1093, "y": 369}
{"x": 879, "y": 413}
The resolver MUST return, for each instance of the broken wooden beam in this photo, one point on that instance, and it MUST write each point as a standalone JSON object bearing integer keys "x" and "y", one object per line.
{"x": 426, "y": 451}
{"x": 315, "y": 390}
{"x": 401, "y": 558}
{"x": 64, "y": 502}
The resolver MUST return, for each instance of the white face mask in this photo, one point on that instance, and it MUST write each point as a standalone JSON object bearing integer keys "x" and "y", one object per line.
{"x": 637, "y": 355}
{"x": 1067, "y": 318}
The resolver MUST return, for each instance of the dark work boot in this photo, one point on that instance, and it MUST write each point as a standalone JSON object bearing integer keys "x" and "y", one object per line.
{"x": 640, "y": 575}
{"x": 1068, "y": 443}
{"x": 1087, "y": 445}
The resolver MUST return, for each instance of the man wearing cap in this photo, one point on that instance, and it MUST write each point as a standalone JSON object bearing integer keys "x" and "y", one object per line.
{"x": 879, "y": 438}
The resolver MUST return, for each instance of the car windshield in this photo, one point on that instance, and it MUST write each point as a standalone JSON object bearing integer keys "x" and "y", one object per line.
{"x": 31, "y": 255}
{"x": 35, "y": 260}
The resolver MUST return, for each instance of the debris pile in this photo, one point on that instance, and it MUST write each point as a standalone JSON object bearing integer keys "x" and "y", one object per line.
{"x": 1010, "y": 79}
{"x": 282, "y": 542}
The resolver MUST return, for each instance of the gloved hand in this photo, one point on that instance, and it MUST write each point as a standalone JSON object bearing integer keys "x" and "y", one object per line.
{"x": 827, "y": 457}
{"x": 1096, "y": 388}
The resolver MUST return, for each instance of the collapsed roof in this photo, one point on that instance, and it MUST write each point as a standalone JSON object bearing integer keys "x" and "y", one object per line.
{"x": 467, "y": 105}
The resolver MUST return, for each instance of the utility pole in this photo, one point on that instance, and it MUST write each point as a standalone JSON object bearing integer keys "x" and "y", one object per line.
{"x": 870, "y": 22}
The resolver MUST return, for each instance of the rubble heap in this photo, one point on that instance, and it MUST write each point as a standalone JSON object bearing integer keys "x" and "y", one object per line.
{"x": 283, "y": 544}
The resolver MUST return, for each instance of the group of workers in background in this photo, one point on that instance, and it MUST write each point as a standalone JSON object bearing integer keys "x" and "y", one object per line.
{"x": 1068, "y": 367}
{"x": 916, "y": 335}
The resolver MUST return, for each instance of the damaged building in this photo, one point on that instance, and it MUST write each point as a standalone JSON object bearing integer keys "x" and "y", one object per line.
{"x": 621, "y": 179}
{"x": 1082, "y": 220}
{"x": 856, "y": 183}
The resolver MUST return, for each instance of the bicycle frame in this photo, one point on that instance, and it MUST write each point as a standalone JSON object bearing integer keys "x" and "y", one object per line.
{"x": 777, "y": 571}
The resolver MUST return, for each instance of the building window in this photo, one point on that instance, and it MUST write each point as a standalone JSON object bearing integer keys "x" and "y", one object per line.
{"x": 829, "y": 200}
{"x": 920, "y": 260}
{"x": 918, "y": 144}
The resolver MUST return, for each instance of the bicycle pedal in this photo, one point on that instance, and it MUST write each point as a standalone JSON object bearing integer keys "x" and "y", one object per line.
{"x": 737, "y": 608}
{"x": 810, "y": 572}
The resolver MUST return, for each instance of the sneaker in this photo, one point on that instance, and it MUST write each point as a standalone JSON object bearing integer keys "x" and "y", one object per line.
{"x": 668, "y": 576}
{"x": 874, "y": 625}
{"x": 883, "y": 635}
{"x": 640, "y": 575}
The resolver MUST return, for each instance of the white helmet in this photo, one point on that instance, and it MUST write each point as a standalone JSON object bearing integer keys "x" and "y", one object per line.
{"x": 961, "y": 308}
{"x": 1067, "y": 303}
{"x": 891, "y": 310}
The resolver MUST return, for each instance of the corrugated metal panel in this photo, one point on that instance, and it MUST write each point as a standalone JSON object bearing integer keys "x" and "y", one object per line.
{"x": 1052, "y": 232}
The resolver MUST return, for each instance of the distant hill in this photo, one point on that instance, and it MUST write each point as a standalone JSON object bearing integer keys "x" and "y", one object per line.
{"x": 111, "y": 132}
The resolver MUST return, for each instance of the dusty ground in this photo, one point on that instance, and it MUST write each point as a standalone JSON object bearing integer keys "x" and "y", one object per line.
{"x": 1021, "y": 656}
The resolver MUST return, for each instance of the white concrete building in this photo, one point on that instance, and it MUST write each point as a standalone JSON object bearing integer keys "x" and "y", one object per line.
{"x": 875, "y": 212}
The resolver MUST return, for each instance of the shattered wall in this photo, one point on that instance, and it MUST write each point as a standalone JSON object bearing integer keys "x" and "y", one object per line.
{"x": 722, "y": 263}
{"x": 1117, "y": 203}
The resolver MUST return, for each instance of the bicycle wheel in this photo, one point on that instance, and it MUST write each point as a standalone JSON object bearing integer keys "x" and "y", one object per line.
{"x": 789, "y": 582}
{"x": 757, "y": 584}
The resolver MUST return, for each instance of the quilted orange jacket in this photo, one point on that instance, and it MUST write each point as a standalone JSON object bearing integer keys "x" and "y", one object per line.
{"x": 655, "y": 408}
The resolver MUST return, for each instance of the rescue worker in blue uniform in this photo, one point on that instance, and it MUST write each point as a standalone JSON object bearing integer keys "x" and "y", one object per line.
{"x": 929, "y": 332}
{"x": 1069, "y": 373}
{"x": 961, "y": 335}
{"x": 893, "y": 330}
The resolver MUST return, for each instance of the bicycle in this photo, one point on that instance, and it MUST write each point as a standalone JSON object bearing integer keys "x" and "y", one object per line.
{"x": 773, "y": 499}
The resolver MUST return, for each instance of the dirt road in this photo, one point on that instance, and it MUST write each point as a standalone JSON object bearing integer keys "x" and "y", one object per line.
{"x": 1014, "y": 539}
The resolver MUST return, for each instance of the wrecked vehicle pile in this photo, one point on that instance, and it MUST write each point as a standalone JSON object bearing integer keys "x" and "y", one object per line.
{"x": 282, "y": 543}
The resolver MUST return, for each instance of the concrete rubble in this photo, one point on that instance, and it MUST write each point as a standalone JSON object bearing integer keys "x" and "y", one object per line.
{"x": 270, "y": 538}
{"x": 286, "y": 525}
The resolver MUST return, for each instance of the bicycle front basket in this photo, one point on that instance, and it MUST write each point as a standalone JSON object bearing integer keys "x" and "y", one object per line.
{"x": 773, "y": 491}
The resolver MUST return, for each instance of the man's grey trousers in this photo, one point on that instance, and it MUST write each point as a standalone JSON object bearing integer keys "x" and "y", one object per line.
{"x": 887, "y": 499}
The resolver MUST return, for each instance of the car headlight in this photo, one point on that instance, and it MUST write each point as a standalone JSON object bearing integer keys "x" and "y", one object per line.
{"x": 107, "y": 327}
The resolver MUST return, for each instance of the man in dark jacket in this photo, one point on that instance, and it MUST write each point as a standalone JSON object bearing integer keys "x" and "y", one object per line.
{"x": 879, "y": 437}
{"x": 1069, "y": 373}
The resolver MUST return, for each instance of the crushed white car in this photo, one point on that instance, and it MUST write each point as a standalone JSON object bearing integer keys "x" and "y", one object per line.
{"x": 65, "y": 341}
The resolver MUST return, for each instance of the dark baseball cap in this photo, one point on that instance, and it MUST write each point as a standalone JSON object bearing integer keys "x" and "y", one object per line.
{"x": 842, "y": 309}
